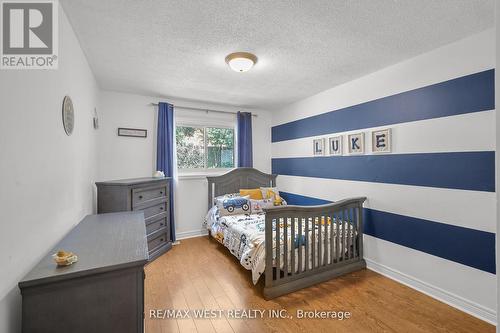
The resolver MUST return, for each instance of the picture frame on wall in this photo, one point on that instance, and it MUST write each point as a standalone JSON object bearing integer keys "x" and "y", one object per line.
{"x": 382, "y": 141}
{"x": 132, "y": 132}
{"x": 356, "y": 142}
{"x": 335, "y": 146}
{"x": 318, "y": 147}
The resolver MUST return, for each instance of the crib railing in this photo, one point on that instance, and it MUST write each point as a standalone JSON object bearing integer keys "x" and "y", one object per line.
{"x": 306, "y": 245}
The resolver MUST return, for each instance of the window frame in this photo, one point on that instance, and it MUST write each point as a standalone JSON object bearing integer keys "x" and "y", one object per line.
{"x": 205, "y": 170}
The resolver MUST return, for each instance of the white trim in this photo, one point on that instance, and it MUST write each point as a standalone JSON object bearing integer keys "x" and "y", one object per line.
{"x": 204, "y": 174}
{"x": 451, "y": 299}
{"x": 191, "y": 234}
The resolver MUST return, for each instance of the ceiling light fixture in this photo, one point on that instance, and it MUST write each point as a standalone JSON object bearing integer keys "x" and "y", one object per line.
{"x": 241, "y": 61}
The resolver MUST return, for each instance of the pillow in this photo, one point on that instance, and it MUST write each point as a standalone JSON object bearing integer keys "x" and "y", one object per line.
{"x": 233, "y": 205}
{"x": 254, "y": 193}
{"x": 228, "y": 195}
{"x": 258, "y": 205}
{"x": 265, "y": 191}
{"x": 272, "y": 193}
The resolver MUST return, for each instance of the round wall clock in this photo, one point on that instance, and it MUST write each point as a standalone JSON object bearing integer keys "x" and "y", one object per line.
{"x": 68, "y": 115}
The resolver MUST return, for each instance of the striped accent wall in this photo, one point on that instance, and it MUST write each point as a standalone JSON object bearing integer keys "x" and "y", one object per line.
{"x": 471, "y": 93}
{"x": 434, "y": 194}
{"x": 457, "y": 170}
{"x": 439, "y": 239}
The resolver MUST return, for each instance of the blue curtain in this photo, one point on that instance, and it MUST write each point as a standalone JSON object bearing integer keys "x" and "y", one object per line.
{"x": 245, "y": 139}
{"x": 165, "y": 152}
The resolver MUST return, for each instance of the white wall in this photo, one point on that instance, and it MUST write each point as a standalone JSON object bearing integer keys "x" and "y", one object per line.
{"x": 47, "y": 177}
{"x": 123, "y": 157}
{"x": 468, "y": 288}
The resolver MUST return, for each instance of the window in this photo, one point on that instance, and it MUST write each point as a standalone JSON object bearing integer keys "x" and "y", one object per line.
{"x": 204, "y": 147}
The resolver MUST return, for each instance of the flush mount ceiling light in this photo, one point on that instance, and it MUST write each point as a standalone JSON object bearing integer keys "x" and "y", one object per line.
{"x": 241, "y": 61}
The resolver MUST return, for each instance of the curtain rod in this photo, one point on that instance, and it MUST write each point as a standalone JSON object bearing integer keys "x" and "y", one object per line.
{"x": 201, "y": 109}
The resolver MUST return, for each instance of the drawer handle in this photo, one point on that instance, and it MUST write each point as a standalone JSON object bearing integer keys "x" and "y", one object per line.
{"x": 161, "y": 192}
{"x": 161, "y": 239}
{"x": 161, "y": 224}
{"x": 161, "y": 208}
{"x": 140, "y": 197}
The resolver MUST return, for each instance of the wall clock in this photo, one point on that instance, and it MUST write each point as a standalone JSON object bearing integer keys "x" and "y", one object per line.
{"x": 68, "y": 115}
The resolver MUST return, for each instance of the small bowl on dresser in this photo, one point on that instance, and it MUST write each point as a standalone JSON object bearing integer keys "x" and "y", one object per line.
{"x": 63, "y": 258}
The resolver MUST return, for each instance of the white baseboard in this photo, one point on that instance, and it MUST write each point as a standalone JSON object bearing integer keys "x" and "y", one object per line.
{"x": 444, "y": 296}
{"x": 190, "y": 234}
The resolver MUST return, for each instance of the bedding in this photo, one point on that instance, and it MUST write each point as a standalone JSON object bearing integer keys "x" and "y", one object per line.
{"x": 244, "y": 236}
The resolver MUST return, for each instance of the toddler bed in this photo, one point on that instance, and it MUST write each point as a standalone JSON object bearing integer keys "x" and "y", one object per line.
{"x": 293, "y": 246}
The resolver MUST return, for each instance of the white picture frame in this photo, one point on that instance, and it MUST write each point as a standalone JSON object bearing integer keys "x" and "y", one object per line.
{"x": 356, "y": 143}
{"x": 318, "y": 147}
{"x": 335, "y": 146}
{"x": 382, "y": 141}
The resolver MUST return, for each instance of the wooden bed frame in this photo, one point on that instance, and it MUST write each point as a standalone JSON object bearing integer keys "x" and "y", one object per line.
{"x": 328, "y": 260}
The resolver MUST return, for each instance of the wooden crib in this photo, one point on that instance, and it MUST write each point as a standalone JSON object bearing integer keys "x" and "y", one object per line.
{"x": 303, "y": 243}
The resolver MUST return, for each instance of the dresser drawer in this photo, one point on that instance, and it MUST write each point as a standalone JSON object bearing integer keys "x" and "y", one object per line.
{"x": 142, "y": 195}
{"x": 157, "y": 240}
{"x": 156, "y": 224}
{"x": 154, "y": 210}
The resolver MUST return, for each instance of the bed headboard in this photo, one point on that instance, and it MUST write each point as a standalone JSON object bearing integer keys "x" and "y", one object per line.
{"x": 232, "y": 181}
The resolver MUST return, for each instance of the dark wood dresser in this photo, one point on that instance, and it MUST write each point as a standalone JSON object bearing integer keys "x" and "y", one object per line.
{"x": 103, "y": 291}
{"x": 149, "y": 195}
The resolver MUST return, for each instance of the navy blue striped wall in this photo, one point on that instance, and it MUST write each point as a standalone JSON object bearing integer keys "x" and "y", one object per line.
{"x": 473, "y": 171}
{"x": 458, "y": 170}
{"x": 470, "y": 247}
{"x": 471, "y": 93}
{"x": 301, "y": 200}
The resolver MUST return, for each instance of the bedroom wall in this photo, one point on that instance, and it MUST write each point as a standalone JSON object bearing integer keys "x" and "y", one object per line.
{"x": 123, "y": 157}
{"x": 430, "y": 214}
{"x": 497, "y": 85}
{"x": 47, "y": 177}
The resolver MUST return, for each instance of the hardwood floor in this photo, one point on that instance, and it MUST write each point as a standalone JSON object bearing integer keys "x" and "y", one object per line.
{"x": 201, "y": 274}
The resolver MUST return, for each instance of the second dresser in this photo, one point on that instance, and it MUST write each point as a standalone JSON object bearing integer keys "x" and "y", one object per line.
{"x": 150, "y": 195}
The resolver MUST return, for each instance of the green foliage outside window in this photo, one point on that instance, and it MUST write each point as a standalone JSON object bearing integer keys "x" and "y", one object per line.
{"x": 191, "y": 147}
{"x": 220, "y": 147}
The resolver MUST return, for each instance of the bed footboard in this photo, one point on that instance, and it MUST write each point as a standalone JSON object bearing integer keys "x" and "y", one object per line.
{"x": 306, "y": 245}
